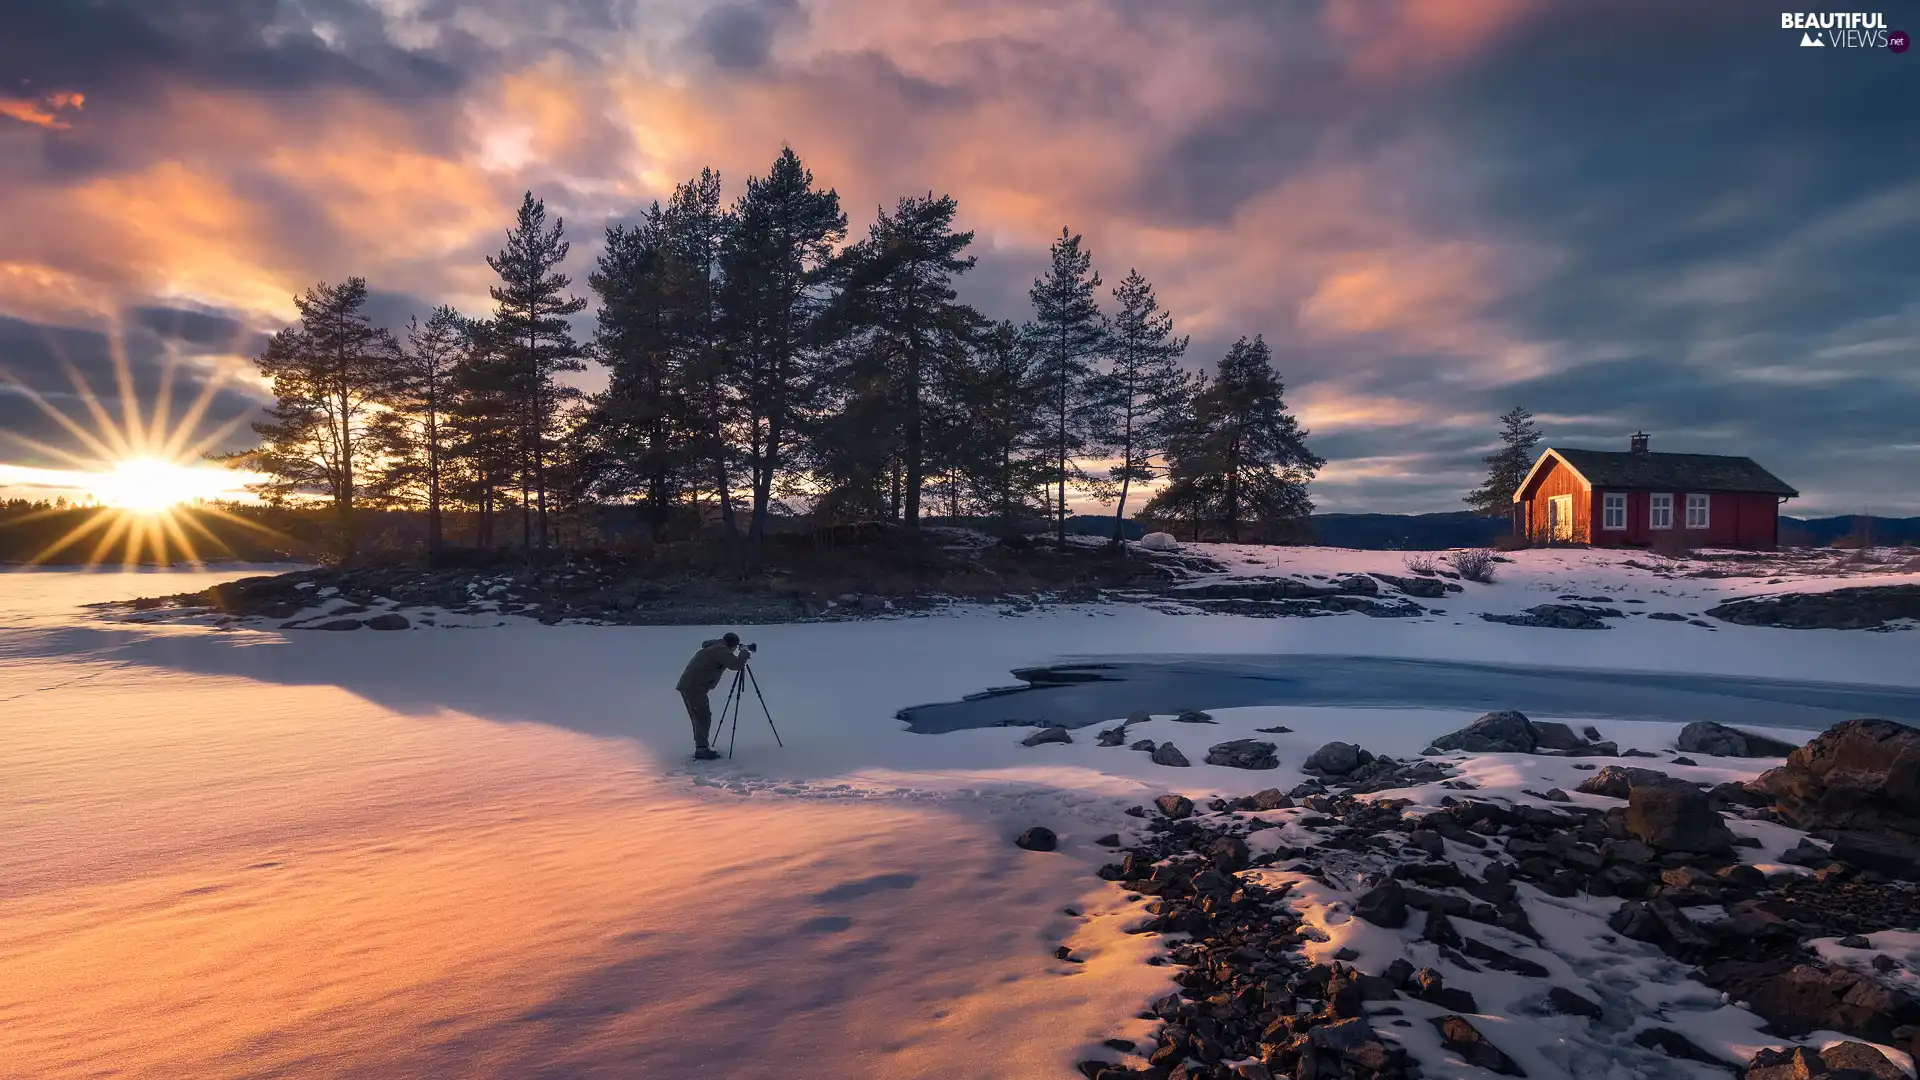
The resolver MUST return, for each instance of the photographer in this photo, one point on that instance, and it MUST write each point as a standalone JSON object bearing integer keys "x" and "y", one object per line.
{"x": 698, "y": 680}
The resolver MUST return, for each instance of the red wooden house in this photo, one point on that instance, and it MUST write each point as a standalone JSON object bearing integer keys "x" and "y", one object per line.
{"x": 1635, "y": 499}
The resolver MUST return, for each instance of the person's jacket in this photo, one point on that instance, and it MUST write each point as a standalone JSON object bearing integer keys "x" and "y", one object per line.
{"x": 704, "y": 670}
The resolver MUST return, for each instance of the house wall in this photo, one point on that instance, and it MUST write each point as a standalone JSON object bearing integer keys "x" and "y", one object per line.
{"x": 1556, "y": 480}
{"x": 1734, "y": 520}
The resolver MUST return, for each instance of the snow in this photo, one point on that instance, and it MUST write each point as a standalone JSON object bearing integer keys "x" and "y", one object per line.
{"x": 484, "y": 853}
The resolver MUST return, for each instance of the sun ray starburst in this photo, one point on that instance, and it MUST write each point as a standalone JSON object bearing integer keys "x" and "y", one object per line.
{"x": 156, "y": 495}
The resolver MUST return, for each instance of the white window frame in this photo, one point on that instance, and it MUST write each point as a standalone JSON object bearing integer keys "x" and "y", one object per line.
{"x": 1613, "y": 510}
{"x": 1702, "y": 503}
{"x": 1656, "y": 504}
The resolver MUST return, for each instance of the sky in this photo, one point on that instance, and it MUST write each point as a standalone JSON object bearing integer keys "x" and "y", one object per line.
{"x": 1664, "y": 215}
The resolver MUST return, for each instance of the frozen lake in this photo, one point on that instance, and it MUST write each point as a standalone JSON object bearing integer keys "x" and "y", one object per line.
{"x": 1097, "y": 690}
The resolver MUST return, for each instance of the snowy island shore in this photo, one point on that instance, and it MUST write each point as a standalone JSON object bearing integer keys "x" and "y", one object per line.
{"x": 242, "y": 851}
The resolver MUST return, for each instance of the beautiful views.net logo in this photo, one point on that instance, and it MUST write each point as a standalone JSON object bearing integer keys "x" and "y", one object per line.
{"x": 1845, "y": 30}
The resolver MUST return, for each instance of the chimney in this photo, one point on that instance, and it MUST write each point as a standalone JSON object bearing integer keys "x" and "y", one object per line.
{"x": 1639, "y": 443}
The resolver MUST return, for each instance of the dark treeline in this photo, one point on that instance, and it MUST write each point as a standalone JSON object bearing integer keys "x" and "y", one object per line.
{"x": 759, "y": 358}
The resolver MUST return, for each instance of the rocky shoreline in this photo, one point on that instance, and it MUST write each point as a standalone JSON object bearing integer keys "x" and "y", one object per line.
{"x": 1872, "y": 607}
{"x": 1322, "y": 933}
{"x": 612, "y": 593}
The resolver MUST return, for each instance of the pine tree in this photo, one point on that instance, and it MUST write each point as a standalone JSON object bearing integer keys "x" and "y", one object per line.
{"x": 1004, "y": 459}
{"x": 1143, "y": 395}
{"x": 413, "y": 434}
{"x": 775, "y": 265}
{"x": 1506, "y": 467}
{"x": 694, "y": 228}
{"x": 484, "y": 426}
{"x": 639, "y": 433}
{"x": 327, "y": 371}
{"x": 900, "y": 323}
{"x": 1240, "y": 455}
{"x": 530, "y": 321}
{"x": 1070, "y": 336}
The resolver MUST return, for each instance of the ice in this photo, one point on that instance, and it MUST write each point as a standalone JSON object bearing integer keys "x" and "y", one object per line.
{"x": 484, "y": 853}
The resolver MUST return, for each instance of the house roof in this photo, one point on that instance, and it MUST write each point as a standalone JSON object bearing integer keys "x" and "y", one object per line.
{"x": 1656, "y": 472}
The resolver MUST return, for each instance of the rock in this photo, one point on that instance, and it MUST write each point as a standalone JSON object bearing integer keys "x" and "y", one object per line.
{"x": 1666, "y": 616}
{"x": 1047, "y": 735}
{"x": 1885, "y": 965}
{"x": 1281, "y": 729}
{"x": 1271, "y": 799}
{"x": 389, "y": 621}
{"x": 1552, "y": 736}
{"x": 1556, "y": 795}
{"x": 1865, "y": 608}
{"x": 1799, "y": 1063}
{"x": 1673, "y": 1044}
{"x": 1500, "y": 960}
{"x": 1335, "y": 758}
{"x": 339, "y": 624}
{"x": 1678, "y": 760}
{"x": 1175, "y": 806}
{"x": 1110, "y": 840}
{"x": 1566, "y": 1002}
{"x": 1384, "y": 905}
{"x": 1560, "y": 616}
{"x": 1464, "y": 1039}
{"x": 1192, "y": 716}
{"x": 1676, "y": 818}
{"x": 1429, "y": 987}
{"x": 1112, "y": 737}
{"x": 1800, "y": 998}
{"x": 1038, "y": 838}
{"x": 1169, "y": 755}
{"x": 1143, "y": 744}
{"x": 1137, "y": 716}
{"x": 1243, "y": 754}
{"x": 1857, "y": 776}
{"x": 1358, "y": 585}
{"x": 1505, "y": 732}
{"x": 1862, "y": 1058}
{"x": 1439, "y": 929}
{"x": 1342, "y": 1035}
{"x": 1615, "y": 781}
{"x": 1159, "y": 541}
{"x": 1707, "y": 737}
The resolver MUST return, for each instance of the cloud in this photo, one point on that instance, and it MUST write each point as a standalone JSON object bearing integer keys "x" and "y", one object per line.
{"x": 1622, "y": 213}
{"x": 43, "y": 112}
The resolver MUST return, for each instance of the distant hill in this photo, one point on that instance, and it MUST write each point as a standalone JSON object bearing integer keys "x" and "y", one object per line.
{"x": 1820, "y": 532}
{"x": 1408, "y": 532}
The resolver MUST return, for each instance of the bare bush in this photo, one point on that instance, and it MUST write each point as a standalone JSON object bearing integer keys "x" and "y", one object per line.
{"x": 1474, "y": 564}
{"x": 1423, "y": 563}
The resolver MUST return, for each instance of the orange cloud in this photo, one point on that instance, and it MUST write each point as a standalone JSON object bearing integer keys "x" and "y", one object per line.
{"x": 43, "y": 112}
{"x": 1385, "y": 39}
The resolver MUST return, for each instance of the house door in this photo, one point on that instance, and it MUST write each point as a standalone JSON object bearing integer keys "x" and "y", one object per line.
{"x": 1560, "y": 517}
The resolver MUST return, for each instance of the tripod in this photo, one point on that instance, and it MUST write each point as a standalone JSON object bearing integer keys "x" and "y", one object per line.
{"x": 735, "y": 694}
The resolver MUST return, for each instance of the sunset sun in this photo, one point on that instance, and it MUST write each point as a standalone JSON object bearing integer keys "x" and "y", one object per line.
{"x": 151, "y": 485}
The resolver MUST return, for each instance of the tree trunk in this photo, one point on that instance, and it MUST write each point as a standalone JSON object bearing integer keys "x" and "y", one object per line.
{"x": 1120, "y": 509}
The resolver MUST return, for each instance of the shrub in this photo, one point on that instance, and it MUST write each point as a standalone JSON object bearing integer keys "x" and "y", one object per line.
{"x": 1423, "y": 563}
{"x": 1474, "y": 564}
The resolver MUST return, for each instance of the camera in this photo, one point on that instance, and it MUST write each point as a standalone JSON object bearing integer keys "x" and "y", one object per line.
{"x": 753, "y": 646}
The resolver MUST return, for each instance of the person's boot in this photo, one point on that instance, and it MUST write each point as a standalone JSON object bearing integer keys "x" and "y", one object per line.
{"x": 704, "y": 754}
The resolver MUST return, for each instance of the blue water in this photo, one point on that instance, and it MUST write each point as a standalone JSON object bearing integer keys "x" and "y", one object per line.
{"x": 1096, "y": 691}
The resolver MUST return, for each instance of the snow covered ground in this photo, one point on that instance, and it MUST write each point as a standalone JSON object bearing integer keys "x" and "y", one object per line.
{"x": 484, "y": 852}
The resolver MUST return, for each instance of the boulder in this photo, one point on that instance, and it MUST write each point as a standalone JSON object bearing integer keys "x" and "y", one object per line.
{"x": 1861, "y": 1058}
{"x": 340, "y": 624}
{"x": 1047, "y": 735}
{"x": 1192, "y": 716}
{"x": 1464, "y": 1039}
{"x": 1159, "y": 541}
{"x": 389, "y": 621}
{"x": 1676, "y": 818}
{"x": 1175, "y": 806}
{"x": 1169, "y": 755}
{"x": 1038, "y": 838}
{"x": 1358, "y": 585}
{"x": 1858, "y": 775}
{"x": 1143, "y": 745}
{"x": 1504, "y": 732}
{"x": 1707, "y": 737}
{"x": 1566, "y": 1002}
{"x": 1384, "y": 905}
{"x": 1673, "y": 1044}
{"x": 1861, "y": 608}
{"x": 1552, "y": 736}
{"x": 1112, "y": 737}
{"x": 1336, "y": 758}
{"x": 1427, "y": 588}
{"x": 1615, "y": 781}
{"x": 1271, "y": 799}
{"x": 1243, "y": 754}
{"x": 1897, "y": 855}
{"x": 1801, "y": 998}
